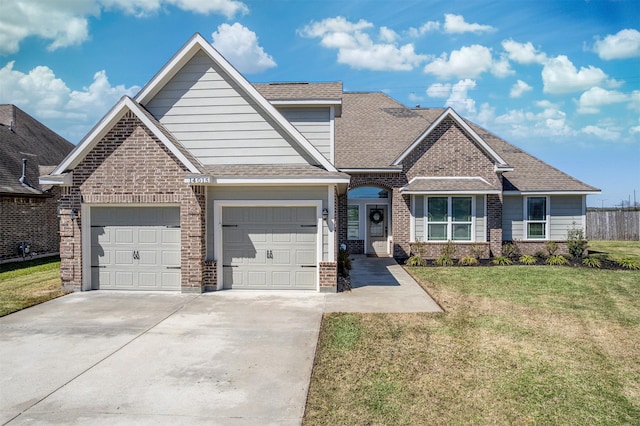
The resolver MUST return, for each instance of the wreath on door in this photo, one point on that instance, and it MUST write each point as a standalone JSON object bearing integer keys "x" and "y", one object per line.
{"x": 376, "y": 216}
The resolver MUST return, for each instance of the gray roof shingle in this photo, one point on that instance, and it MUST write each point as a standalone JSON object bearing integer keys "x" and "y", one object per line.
{"x": 22, "y": 136}
{"x": 302, "y": 90}
{"x": 449, "y": 184}
{"x": 286, "y": 171}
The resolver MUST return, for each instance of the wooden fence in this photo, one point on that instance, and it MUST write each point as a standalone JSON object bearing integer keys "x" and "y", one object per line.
{"x": 618, "y": 225}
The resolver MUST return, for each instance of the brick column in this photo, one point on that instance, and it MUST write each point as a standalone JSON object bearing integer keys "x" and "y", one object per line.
{"x": 401, "y": 207}
{"x": 70, "y": 241}
{"x": 494, "y": 223}
{"x": 328, "y": 277}
{"x": 193, "y": 230}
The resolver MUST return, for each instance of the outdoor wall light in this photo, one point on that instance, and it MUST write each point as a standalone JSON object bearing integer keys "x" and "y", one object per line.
{"x": 325, "y": 214}
{"x": 74, "y": 214}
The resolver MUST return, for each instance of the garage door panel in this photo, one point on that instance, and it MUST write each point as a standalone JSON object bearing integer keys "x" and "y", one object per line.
{"x": 133, "y": 247}
{"x": 148, "y": 236}
{"x": 275, "y": 242}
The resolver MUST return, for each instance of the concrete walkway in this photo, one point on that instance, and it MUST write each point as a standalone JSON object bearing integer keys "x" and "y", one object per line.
{"x": 224, "y": 358}
{"x": 380, "y": 285}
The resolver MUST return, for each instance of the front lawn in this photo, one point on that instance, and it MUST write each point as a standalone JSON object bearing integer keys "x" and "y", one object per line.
{"x": 517, "y": 345}
{"x": 29, "y": 283}
{"x": 616, "y": 250}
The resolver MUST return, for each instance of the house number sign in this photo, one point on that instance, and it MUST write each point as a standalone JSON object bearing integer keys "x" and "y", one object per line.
{"x": 198, "y": 179}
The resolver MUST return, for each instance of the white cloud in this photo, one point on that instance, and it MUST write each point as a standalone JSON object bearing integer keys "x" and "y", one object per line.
{"x": 551, "y": 122}
{"x": 439, "y": 90}
{"x": 66, "y": 22}
{"x": 388, "y": 35}
{"x": 228, "y": 8}
{"x": 560, "y": 76}
{"x": 599, "y": 132}
{"x": 519, "y": 88}
{"x": 455, "y": 24}
{"x": 427, "y": 27}
{"x": 357, "y": 49}
{"x": 523, "y": 53}
{"x": 501, "y": 68}
{"x": 596, "y": 97}
{"x": 634, "y": 130}
{"x": 239, "y": 45}
{"x": 624, "y": 44}
{"x": 468, "y": 62}
{"x": 42, "y": 94}
{"x": 62, "y": 22}
{"x": 415, "y": 98}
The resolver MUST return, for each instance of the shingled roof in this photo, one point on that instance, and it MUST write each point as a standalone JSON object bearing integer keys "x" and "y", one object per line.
{"x": 374, "y": 129}
{"x": 24, "y": 137}
{"x": 301, "y": 90}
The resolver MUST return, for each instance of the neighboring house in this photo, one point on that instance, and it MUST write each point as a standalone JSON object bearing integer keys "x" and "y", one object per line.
{"x": 204, "y": 182}
{"x": 28, "y": 210}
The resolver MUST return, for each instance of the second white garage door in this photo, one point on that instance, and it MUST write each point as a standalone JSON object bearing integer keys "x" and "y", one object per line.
{"x": 135, "y": 248}
{"x": 269, "y": 247}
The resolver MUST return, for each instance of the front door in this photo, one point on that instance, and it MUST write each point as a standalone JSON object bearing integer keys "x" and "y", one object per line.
{"x": 377, "y": 242}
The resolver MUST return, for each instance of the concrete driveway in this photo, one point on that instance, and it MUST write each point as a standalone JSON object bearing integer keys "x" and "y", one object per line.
{"x": 228, "y": 358}
{"x": 133, "y": 358}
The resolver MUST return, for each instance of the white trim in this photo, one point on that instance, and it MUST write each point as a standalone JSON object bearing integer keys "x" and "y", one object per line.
{"x": 272, "y": 181}
{"x": 412, "y": 222}
{"x": 64, "y": 179}
{"x": 106, "y": 124}
{"x": 525, "y": 221}
{"x": 332, "y": 135}
{"x": 446, "y": 191}
{"x": 331, "y": 223}
{"x": 443, "y": 192}
{"x": 196, "y": 43}
{"x": 560, "y": 192}
{"x": 218, "y": 205}
{"x": 449, "y": 112}
{"x": 378, "y": 170}
{"x": 306, "y": 102}
{"x": 485, "y": 238}
{"x": 584, "y": 216}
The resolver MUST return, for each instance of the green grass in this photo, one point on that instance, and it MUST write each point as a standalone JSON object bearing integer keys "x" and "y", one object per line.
{"x": 517, "y": 345}
{"x": 25, "y": 284}
{"x": 616, "y": 250}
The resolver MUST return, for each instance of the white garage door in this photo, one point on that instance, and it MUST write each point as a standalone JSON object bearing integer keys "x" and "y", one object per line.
{"x": 135, "y": 248}
{"x": 269, "y": 247}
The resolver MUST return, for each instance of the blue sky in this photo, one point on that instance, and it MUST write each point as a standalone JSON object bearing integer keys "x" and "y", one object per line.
{"x": 560, "y": 79}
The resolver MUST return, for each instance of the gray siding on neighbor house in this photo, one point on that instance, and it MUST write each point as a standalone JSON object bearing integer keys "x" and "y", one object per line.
{"x": 283, "y": 193}
{"x": 205, "y": 111}
{"x": 512, "y": 224}
{"x": 314, "y": 124}
{"x": 566, "y": 212}
{"x": 419, "y": 214}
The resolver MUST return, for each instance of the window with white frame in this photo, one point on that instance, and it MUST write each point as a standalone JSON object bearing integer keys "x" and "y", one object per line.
{"x": 353, "y": 222}
{"x": 449, "y": 218}
{"x": 536, "y": 218}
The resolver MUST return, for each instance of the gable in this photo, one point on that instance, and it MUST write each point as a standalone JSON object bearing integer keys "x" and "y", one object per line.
{"x": 449, "y": 151}
{"x": 315, "y": 124}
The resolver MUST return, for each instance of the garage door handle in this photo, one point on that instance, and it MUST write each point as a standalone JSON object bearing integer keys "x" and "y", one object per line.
{"x": 99, "y": 266}
{"x": 173, "y": 267}
{"x": 229, "y": 226}
{"x": 229, "y": 266}
{"x": 308, "y": 266}
{"x": 308, "y": 226}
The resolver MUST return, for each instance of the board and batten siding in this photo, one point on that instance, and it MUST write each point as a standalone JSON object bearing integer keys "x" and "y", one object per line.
{"x": 565, "y": 212}
{"x": 284, "y": 193}
{"x": 419, "y": 209}
{"x": 206, "y": 111}
{"x": 314, "y": 124}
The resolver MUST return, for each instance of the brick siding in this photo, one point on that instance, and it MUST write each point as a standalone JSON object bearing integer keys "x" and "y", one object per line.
{"x": 328, "y": 277}
{"x": 32, "y": 219}
{"x": 131, "y": 166}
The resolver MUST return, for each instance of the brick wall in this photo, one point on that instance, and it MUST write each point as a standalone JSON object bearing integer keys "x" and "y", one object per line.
{"x": 433, "y": 250}
{"x": 328, "y": 277}
{"x": 33, "y": 219}
{"x": 131, "y": 166}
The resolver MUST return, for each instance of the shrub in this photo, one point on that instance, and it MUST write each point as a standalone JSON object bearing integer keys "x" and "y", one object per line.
{"x": 502, "y": 261}
{"x": 468, "y": 261}
{"x": 551, "y": 246}
{"x": 576, "y": 243}
{"x": 540, "y": 254}
{"x": 557, "y": 260}
{"x": 511, "y": 250}
{"x": 444, "y": 260}
{"x": 448, "y": 249}
{"x": 629, "y": 263}
{"x": 527, "y": 259}
{"x": 416, "y": 260}
{"x": 592, "y": 262}
{"x": 344, "y": 263}
{"x": 476, "y": 251}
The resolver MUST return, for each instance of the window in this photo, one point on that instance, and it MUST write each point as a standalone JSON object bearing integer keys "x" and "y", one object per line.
{"x": 353, "y": 222}
{"x": 536, "y": 218}
{"x": 368, "y": 192}
{"x": 449, "y": 218}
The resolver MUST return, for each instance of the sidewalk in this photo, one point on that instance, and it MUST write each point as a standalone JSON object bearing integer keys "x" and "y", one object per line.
{"x": 380, "y": 285}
